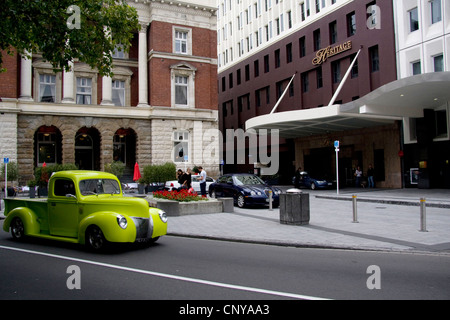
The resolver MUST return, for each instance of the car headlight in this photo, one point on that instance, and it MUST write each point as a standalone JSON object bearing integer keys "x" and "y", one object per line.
{"x": 252, "y": 193}
{"x": 163, "y": 216}
{"x": 122, "y": 221}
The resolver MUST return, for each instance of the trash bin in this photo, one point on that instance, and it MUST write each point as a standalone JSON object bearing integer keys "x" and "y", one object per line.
{"x": 294, "y": 207}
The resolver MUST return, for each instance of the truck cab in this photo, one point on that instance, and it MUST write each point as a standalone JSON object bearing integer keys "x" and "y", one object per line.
{"x": 86, "y": 207}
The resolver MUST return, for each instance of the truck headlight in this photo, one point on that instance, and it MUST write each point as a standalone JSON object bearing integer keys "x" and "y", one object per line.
{"x": 163, "y": 216}
{"x": 122, "y": 221}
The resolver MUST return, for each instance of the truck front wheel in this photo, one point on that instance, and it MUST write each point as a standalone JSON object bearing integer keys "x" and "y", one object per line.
{"x": 95, "y": 240}
{"x": 17, "y": 229}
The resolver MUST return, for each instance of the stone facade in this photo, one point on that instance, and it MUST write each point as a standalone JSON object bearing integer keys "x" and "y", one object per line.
{"x": 143, "y": 125}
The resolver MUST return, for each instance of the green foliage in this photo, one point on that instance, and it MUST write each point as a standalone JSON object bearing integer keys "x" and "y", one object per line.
{"x": 159, "y": 173}
{"x": 43, "y": 174}
{"x": 13, "y": 171}
{"x": 47, "y": 27}
{"x": 116, "y": 168}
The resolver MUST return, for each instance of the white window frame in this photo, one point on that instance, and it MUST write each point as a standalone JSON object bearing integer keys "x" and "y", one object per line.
{"x": 180, "y": 139}
{"x": 186, "y": 70}
{"x": 84, "y": 88}
{"x": 188, "y": 40}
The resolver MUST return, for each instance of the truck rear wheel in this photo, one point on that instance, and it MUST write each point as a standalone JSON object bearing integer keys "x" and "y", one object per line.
{"x": 95, "y": 240}
{"x": 17, "y": 229}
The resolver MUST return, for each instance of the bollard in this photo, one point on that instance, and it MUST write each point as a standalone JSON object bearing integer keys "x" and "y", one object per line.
{"x": 423, "y": 215}
{"x": 270, "y": 200}
{"x": 355, "y": 209}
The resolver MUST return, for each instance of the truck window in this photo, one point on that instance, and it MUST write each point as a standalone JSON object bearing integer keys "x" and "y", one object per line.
{"x": 99, "y": 186}
{"x": 63, "y": 187}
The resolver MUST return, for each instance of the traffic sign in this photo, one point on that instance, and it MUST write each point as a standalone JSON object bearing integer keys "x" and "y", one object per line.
{"x": 5, "y": 160}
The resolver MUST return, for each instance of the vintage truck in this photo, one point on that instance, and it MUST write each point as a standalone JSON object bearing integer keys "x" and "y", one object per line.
{"x": 86, "y": 207}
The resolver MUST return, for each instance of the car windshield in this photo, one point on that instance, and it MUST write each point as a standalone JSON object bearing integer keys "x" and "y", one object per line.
{"x": 99, "y": 186}
{"x": 246, "y": 180}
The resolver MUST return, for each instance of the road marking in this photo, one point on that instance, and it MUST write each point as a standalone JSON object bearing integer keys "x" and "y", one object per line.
{"x": 169, "y": 276}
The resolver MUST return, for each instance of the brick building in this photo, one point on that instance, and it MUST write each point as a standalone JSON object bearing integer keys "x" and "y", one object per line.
{"x": 158, "y": 107}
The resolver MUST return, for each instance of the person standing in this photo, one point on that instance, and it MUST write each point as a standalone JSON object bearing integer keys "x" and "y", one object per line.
{"x": 202, "y": 180}
{"x": 370, "y": 174}
{"x": 358, "y": 175}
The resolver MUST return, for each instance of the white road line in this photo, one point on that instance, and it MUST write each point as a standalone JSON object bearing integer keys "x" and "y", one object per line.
{"x": 169, "y": 276}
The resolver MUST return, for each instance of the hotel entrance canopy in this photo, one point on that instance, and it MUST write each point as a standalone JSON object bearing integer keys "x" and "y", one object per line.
{"x": 407, "y": 97}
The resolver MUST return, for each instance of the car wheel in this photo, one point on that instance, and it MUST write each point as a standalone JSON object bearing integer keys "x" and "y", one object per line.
{"x": 240, "y": 201}
{"x": 95, "y": 240}
{"x": 17, "y": 229}
{"x": 313, "y": 186}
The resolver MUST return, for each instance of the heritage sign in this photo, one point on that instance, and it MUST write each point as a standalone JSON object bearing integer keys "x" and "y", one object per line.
{"x": 323, "y": 54}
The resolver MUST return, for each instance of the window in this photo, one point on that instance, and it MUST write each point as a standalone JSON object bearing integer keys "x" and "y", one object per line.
{"x": 414, "y": 20}
{"x": 416, "y": 67}
{"x": 305, "y": 82}
{"x": 374, "y": 59}
{"x": 181, "y": 90}
{"x": 266, "y": 63}
{"x": 84, "y": 91}
{"x": 256, "y": 68}
{"x": 319, "y": 78}
{"x": 438, "y": 63}
{"x": 47, "y": 88}
{"x": 180, "y": 146}
{"x": 289, "y": 53}
{"x": 317, "y": 41}
{"x": 351, "y": 24}
{"x": 302, "y": 44}
{"x": 333, "y": 32}
{"x": 436, "y": 12}
{"x": 181, "y": 42}
{"x": 46, "y": 146}
{"x": 336, "y": 71}
{"x": 118, "y": 93}
{"x": 64, "y": 187}
{"x": 277, "y": 58}
{"x": 118, "y": 52}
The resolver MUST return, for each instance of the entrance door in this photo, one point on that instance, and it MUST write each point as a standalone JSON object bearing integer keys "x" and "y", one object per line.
{"x": 84, "y": 155}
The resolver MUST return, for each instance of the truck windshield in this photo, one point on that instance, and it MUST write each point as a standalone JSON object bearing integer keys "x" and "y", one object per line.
{"x": 99, "y": 186}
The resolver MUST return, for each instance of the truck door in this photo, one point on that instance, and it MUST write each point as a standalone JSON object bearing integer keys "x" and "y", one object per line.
{"x": 63, "y": 209}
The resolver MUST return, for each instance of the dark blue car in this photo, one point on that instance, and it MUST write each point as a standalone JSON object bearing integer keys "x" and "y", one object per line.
{"x": 245, "y": 189}
{"x": 305, "y": 180}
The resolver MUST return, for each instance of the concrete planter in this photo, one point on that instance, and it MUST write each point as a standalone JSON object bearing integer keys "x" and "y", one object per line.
{"x": 175, "y": 208}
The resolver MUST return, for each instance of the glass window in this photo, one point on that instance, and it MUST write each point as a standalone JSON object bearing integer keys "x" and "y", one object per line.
{"x": 118, "y": 93}
{"x": 414, "y": 20}
{"x": 181, "y": 90}
{"x": 64, "y": 187}
{"x": 181, "y": 42}
{"x": 438, "y": 63}
{"x": 84, "y": 90}
{"x": 99, "y": 186}
{"x": 180, "y": 146}
{"x": 436, "y": 12}
{"x": 47, "y": 88}
{"x": 47, "y": 148}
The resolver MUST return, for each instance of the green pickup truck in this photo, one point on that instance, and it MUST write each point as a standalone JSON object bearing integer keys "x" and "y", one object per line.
{"x": 85, "y": 207}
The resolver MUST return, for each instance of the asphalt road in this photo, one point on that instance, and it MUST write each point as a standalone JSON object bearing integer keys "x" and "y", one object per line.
{"x": 195, "y": 269}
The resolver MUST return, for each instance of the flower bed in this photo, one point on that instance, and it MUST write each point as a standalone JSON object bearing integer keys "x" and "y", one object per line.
{"x": 180, "y": 196}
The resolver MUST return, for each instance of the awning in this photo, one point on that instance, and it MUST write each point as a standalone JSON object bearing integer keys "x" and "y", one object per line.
{"x": 407, "y": 97}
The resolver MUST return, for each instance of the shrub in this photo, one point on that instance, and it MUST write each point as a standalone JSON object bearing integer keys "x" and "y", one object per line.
{"x": 159, "y": 173}
{"x": 116, "y": 168}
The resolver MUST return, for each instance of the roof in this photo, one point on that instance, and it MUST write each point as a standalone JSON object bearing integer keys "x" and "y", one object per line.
{"x": 407, "y": 97}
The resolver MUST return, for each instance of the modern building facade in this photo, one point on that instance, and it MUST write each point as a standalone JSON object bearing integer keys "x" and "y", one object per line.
{"x": 317, "y": 41}
{"x": 156, "y": 108}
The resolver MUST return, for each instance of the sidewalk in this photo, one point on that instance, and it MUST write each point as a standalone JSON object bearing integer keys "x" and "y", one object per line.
{"x": 387, "y": 220}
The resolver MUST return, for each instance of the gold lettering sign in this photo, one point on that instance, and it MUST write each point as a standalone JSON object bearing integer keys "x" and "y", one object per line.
{"x": 323, "y": 54}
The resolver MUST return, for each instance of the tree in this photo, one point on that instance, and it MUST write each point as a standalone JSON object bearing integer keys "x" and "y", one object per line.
{"x": 65, "y": 30}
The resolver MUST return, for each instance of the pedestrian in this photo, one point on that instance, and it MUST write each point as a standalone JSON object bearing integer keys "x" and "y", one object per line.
{"x": 186, "y": 179}
{"x": 370, "y": 174}
{"x": 202, "y": 180}
{"x": 298, "y": 177}
{"x": 358, "y": 176}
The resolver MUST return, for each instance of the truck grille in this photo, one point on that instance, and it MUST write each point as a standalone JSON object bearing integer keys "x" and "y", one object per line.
{"x": 144, "y": 228}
